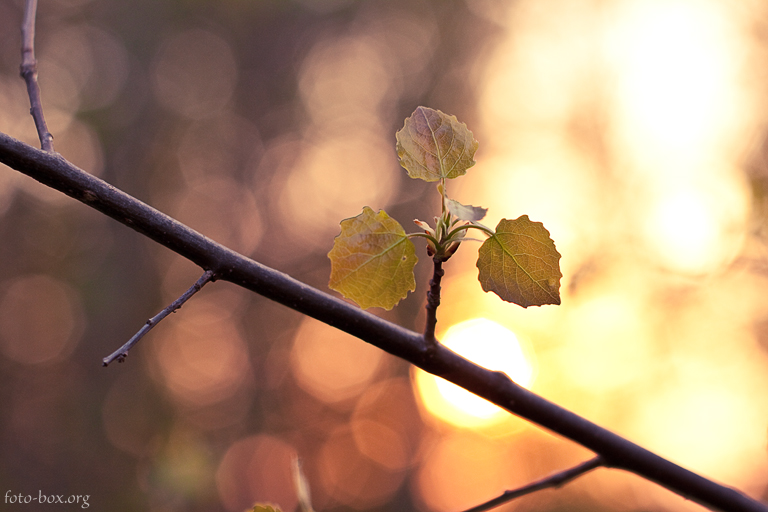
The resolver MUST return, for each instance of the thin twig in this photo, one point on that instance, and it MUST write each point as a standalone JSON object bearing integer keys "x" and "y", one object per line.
{"x": 433, "y": 301}
{"x": 29, "y": 73}
{"x": 121, "y": 353}
{"x": 556, "y": 480}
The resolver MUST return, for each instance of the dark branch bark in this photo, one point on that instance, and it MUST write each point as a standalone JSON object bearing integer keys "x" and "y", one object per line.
{"x": 556, "y": 480}
{"x": 121, "y": 353}
{"x": 617, "y": 452}
{"x": 29, "y": 73}
{"x": 433, "y": 302}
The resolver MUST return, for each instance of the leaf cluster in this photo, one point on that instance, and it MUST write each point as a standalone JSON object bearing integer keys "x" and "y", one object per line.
{"x": 373, "y": 258}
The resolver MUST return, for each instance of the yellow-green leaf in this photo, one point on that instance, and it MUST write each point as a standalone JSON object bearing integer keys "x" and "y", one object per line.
{"x": 521, "y": 264}
{"x": 433, "y": 145}
{"x": 262, "y": 507}
{"x": 372, "y": 260}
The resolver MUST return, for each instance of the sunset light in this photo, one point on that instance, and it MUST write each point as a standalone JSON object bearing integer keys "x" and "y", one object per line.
{"x": 488, "y": 344}
{"x": 695, "y": 230}
{"x": 613, "y": 156}
{"x": 627, "y": 129}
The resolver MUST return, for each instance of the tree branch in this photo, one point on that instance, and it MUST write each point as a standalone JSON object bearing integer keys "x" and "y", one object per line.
{"x": 617, "y": 452}
{"x": 121, "y": 353}
{"x": 29, "y": 73}
{"x": 556, "y": 480}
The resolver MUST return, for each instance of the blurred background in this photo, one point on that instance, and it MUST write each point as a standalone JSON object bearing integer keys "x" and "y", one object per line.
{"x": 635, "y": 130}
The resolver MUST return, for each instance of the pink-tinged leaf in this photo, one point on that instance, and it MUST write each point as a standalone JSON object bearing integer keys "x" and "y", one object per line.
{"x": 433, "y": 145}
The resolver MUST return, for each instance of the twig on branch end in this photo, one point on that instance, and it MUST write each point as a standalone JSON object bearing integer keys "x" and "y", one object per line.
{"x": 433, "y": 301}
{"x": 29, "y": 74}
{"x": 556, "y": 480}
{"x": 121, "y": 353}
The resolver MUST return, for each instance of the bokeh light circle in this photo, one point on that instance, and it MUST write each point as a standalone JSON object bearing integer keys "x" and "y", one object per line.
{"x": 41, "y": 320}
{"x": 487, "y": 344}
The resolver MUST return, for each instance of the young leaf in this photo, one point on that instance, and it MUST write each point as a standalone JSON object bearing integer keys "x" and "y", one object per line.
{"x": 263, "y": 507}
{"x": 423, "y": 225}
{"x": 465, "y": 212}
{"x": 432, "y": 145}
{"x": 521, "y": 264}
{"x": 372, "y": 260}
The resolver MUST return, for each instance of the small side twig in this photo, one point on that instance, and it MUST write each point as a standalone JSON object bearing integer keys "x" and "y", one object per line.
{"x": 121, "y": 353}
{"x": 433, "y": 301}
{"x": 29, "y": 74}
{"x": 555, "y": 480}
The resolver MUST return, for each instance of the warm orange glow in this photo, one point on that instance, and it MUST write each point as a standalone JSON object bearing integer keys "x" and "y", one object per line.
{"x": 330, "y": 364}
{"x": 343, "y": 160}
{"x": 204, "y": 360}
{"x": 488, "y": 344}
{"x": 625, "y": 127}
{"x": 605, "y": 348}
{"x": 352, "y": 477}
{"x": 256, "y": 469}
{"x": 677, "y": 100}
{"x": 465, "y": 469}
{"x": 694, "y": 229}
{"x": 41, "y": 320}
{"x": 721, "y": 417}
{"x": 386, "y": 425}
{"x": 675, "y": 65}
{"x": 221, "y": 207}
{"x": 332, "y": 180}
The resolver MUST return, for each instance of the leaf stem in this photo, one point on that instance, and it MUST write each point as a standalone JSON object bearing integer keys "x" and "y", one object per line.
{"x": 465, "y": 227}
{"x": 433, "y": 301}
{"x": 423, "y": 235}
{"x": 443, "y": 195}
